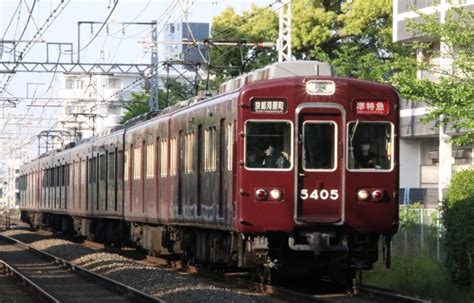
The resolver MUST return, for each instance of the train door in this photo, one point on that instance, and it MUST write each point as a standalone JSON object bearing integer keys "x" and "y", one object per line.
{"x": 320, "y": 164}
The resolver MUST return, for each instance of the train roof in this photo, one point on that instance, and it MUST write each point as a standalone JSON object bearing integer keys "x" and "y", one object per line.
{"x": 279, "y": 70}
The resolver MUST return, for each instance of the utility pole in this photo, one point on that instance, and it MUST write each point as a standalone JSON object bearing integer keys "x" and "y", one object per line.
{"x": 153, "y": 103}
{"x": 284, "y": 32}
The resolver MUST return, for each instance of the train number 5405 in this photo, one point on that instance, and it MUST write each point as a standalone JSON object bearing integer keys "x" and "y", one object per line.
{"x": 319, "y": 194}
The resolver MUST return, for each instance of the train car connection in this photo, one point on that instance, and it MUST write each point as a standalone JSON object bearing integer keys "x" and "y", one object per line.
{"x": 288, "y": 167}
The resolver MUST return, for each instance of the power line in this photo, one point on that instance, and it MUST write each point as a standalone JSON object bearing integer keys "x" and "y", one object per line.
{"x": 30, "y": 12}
{"x": 103, "y": 25}
{"x": 11, "y": 20}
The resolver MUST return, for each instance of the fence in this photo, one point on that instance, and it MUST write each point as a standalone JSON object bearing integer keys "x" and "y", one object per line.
{"x": 419, "y": 232}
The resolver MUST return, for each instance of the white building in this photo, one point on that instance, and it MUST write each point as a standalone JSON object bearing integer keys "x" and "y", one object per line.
{"x": 8, "y": 184}
{"x": 427, "y": 158}
{"x": 94, "y": 103}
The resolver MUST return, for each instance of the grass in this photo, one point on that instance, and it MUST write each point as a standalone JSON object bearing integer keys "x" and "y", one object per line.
{"x": 419, "y": 276}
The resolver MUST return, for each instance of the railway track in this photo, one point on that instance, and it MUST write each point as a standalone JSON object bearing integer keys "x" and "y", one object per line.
{"x": 384, "y": 295}
{"x": 57, "y": 280}
{"x": 14, "y": 284}
{"x": 361, "y": 293}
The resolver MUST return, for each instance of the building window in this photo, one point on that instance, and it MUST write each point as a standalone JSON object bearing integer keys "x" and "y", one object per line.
{"x": 113, "y": 83}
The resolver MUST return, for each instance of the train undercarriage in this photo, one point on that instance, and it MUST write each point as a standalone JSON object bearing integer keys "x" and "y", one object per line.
{"x": 271, "y": 256}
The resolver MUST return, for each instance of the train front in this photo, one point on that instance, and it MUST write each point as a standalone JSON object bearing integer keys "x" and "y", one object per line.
{"x": 317, "y": 172}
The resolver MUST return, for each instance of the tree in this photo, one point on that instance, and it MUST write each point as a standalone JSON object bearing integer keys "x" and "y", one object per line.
{"x": 137, "y": 107}
{"x": 174, "y": 92}
{"x": 256, "y": 25}
{"x": 453, "y": 95}
{"x": 355, "y": 37}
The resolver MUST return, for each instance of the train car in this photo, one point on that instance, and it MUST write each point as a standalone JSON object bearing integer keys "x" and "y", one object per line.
{"x": 288, "y": 167}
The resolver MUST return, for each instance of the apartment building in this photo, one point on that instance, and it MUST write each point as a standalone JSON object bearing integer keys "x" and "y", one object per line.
{"x": 427, "y": 157}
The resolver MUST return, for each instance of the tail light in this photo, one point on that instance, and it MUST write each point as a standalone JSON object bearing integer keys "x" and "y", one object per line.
{"x": 377, "y": 195}
{"x": 260, "y": 194}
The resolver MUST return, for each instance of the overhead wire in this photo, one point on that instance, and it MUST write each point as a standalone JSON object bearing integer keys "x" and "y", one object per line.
{"x": 102, "y": 26}
{"x": 18, "y": 7}
{"x": 47, "y": 23}
{"x": 30, "y": 15}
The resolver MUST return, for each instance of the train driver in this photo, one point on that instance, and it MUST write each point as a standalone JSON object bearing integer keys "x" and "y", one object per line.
{"x": 365, "y": 157}
{"x": 274, "y": 158}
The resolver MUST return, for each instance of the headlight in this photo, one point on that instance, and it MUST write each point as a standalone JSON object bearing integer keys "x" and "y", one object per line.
{"x": 363, "y": 195}
{"x": 320, "y": 87}
{"x": 275, "y": 194}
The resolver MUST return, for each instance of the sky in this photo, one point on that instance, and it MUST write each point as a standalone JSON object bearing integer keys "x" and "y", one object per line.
{"x": 115, "y": 43}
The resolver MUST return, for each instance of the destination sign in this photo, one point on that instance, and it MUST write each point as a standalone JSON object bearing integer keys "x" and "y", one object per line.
{"x": 268, "y": 106}
{"x": 371, "y": 107}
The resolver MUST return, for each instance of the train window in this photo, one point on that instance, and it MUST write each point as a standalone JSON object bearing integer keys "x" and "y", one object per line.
{"x": 370, "y": 146}
{"x": 58, "y": 176}
{"x": 210, "y": 149}
{"x": 189, "y": 141}
{"x": 174, "y": 156}
{"x": 230, "y": 145}
{"x": 102, "y": 165}
{"x": 268, "y": 144}
{"x": 144, "y": 159}
{"x": 319, "y": 145}
{"x": 111, "y": 165}
{"x": 137, "y": 163}
{"x": 94, "y": 170}
{"x": 127, "y": 162}
{"x": 150, "y": 155}
{"x": 120, "y": 166}
{"x": 83, "y": 171}
{"x": 51, "y": 181}
{"x": 164, "y": 158}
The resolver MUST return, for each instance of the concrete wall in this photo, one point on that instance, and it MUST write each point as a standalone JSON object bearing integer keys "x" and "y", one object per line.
{"x": 409, "y": 164}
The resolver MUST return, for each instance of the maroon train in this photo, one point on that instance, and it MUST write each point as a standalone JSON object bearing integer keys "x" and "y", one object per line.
{"x": 287, "y": 167}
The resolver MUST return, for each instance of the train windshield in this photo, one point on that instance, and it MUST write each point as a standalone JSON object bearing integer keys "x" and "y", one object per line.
{"x": 268, "y": 144}
{"x": 370, "y": 146}
{"x": 319, "y": 140}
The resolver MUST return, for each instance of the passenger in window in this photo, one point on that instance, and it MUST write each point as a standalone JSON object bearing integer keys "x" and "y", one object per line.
{"x": 365, "y": 157}
{"x": 274, "y": 158}
{"x": 254, "y": 158}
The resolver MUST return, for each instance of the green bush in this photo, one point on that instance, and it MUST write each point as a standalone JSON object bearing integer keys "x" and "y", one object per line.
{"x": 410, "y": 214}
{"x": 458, "y": 221}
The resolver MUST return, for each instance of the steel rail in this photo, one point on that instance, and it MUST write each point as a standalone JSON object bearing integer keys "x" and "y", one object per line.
{"x": 44, "y": 296}
{"x": 117, "y": 287}
{"x": 384, "y": 294}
